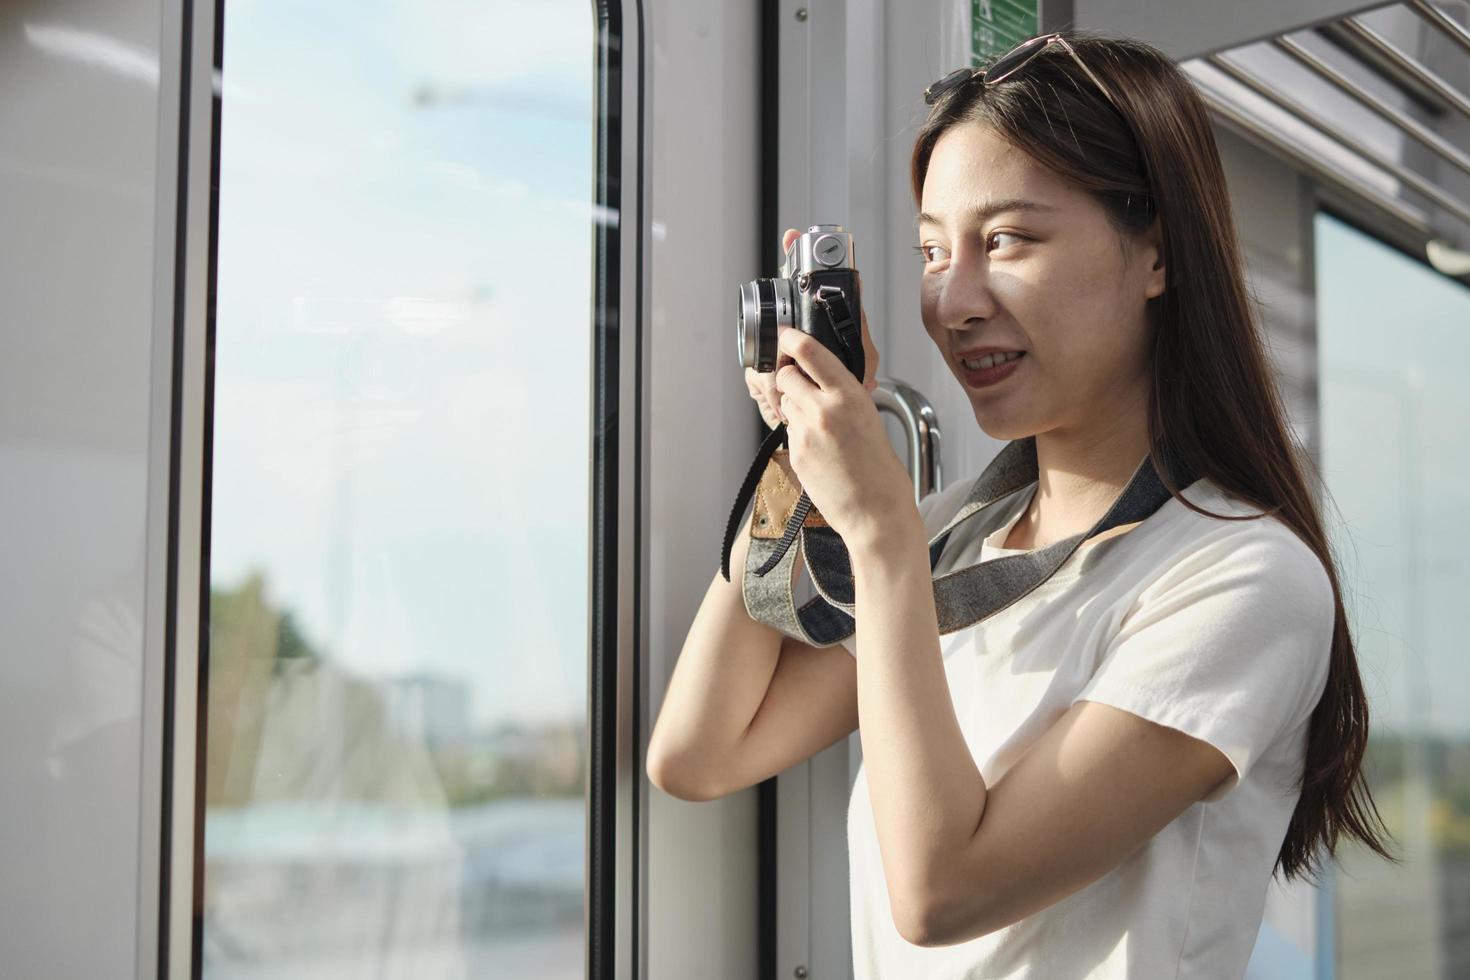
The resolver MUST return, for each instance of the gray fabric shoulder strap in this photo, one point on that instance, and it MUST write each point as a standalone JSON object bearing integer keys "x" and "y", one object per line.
{"x": 963, "y": 597}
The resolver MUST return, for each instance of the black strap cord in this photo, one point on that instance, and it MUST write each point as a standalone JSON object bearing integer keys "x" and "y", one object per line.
{"x": 773, "y": 441}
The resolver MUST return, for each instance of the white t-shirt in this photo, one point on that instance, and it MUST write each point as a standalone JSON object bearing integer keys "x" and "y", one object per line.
{"x": 1220, "y": 629}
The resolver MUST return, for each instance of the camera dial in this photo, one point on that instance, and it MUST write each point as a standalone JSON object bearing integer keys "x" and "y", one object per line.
{"x": 829, "y": 250}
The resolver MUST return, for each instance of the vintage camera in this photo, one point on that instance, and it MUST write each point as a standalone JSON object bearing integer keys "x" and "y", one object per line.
{"x": 816, "y": 292}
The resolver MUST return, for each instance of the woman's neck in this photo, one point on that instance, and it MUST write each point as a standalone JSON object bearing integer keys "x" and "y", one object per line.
{"x": 1079, "y": 475}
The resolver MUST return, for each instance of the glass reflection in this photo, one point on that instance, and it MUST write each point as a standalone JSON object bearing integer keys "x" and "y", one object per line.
{"x": 1395, "y": 450}
{"x": 396, "y": 745}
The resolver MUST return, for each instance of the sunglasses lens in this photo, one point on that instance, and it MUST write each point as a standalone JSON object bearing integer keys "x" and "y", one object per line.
{"x": 953, "y": 80}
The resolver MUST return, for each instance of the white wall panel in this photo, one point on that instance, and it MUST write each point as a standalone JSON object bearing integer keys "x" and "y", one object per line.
{"x": 79, "y": 169}
{"x": 700, "y": 95}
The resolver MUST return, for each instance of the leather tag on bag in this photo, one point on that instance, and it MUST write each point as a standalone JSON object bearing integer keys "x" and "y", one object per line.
{"x": 775, "y": 498}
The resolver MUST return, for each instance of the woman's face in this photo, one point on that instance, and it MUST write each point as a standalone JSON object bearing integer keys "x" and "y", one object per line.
{"x": 1048, "y": 281}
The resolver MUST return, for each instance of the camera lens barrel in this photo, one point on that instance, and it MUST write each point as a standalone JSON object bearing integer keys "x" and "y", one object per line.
{"x": 765, "y": 306}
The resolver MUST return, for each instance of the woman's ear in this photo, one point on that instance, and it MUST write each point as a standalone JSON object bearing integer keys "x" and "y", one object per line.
{"x": 1153, "y": 254}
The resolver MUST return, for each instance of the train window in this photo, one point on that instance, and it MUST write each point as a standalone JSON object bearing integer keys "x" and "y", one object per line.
{"x": 1392, "y": 348}
{"x": 398, "y": 547}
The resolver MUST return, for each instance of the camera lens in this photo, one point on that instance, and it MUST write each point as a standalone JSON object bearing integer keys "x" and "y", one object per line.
{"x": 747, "y": 324}
{"x": 765, "y": 306}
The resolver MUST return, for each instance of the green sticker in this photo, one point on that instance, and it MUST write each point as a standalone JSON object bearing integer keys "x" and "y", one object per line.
{"x": 996, "y": 26}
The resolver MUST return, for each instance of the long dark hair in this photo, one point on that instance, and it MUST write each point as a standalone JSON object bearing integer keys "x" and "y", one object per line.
{"x": 1213, "y": 405}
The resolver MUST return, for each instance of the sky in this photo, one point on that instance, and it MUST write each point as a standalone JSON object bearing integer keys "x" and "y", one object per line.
{"x": 403, "y": 360}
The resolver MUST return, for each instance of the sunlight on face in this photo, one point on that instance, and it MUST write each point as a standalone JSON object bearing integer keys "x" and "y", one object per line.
{"x": 1047, "y": 280}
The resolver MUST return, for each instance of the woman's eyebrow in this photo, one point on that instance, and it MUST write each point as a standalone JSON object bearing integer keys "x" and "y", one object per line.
{"x": 984, "y": 212}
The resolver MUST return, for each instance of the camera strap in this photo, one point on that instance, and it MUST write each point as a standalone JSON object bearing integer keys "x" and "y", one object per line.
{"x": 962, "y": 597}
{"x": 833, "y": 301}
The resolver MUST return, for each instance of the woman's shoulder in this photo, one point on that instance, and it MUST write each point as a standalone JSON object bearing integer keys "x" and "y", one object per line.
{"x": 1219, "y": 513}
{"x": 1224, "y": 538}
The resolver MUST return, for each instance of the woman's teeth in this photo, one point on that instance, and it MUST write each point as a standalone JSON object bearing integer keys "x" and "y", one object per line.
{"x": 990, "y": 360}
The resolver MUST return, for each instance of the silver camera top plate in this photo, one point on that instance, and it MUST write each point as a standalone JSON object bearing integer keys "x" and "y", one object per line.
{"x": 819, "y": 247}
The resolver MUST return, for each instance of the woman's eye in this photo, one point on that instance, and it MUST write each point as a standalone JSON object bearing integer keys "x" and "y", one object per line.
{"x": 1010, "y": 234}
{"x": 928, "y": 252}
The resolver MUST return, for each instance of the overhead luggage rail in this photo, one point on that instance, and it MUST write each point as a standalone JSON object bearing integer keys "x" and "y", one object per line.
{"x": 1407, "y": 125}
{"x": 1307, "y": 162}
{"x": 1345, "y": 102}
{"x": 1437, "y": 19}
{"x": 1407, "y": 66}
{"x": 1445, "y": 200}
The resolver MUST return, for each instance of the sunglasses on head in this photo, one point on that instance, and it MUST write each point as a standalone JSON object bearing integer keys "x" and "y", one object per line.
{"x": 1007, "y": 65}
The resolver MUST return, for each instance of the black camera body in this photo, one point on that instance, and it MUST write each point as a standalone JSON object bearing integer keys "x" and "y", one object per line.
{"x": 816, "y": 292}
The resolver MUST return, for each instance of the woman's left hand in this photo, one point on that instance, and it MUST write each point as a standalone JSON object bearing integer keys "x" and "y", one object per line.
{"x": 838, "y": 447}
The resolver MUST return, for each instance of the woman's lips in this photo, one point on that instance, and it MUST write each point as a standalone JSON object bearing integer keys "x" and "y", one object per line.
{"x": 985, "y": 377}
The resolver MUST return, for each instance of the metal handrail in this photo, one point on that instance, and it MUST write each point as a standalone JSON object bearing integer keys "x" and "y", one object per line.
{"x": 921, "y": 430}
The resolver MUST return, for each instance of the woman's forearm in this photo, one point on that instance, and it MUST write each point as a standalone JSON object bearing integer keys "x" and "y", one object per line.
{"x": 927, "y": 794}
{"x": 718, "y": 683}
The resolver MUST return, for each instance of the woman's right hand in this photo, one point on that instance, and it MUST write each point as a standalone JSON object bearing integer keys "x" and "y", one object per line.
{"x": 762, "y": 384}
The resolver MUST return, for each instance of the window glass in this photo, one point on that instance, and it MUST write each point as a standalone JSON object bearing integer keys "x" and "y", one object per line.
{"x": 398, "y": 561}
{"x": 1394, "y": 341}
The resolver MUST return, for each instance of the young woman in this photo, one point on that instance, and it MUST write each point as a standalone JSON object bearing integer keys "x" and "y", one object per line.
{"x": 1101, "y": 778}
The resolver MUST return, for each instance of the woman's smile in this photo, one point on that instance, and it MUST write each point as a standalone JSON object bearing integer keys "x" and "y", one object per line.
{"x": 989, "y": 369}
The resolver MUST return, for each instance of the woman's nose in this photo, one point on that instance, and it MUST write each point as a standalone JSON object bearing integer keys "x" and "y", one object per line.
{"x": 964, "y": 294}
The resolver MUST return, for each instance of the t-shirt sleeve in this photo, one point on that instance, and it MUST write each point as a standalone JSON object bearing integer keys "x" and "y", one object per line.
{"x": 1230, "y": 645}
{"x": 935, "y": 509}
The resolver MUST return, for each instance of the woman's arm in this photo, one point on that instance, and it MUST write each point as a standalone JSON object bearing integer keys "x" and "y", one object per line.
{"x": 808, "y": 702}
{"x": 717, "y": 686}
{"x": 926, "y": 791}
{"x": 1093, "y": 789}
